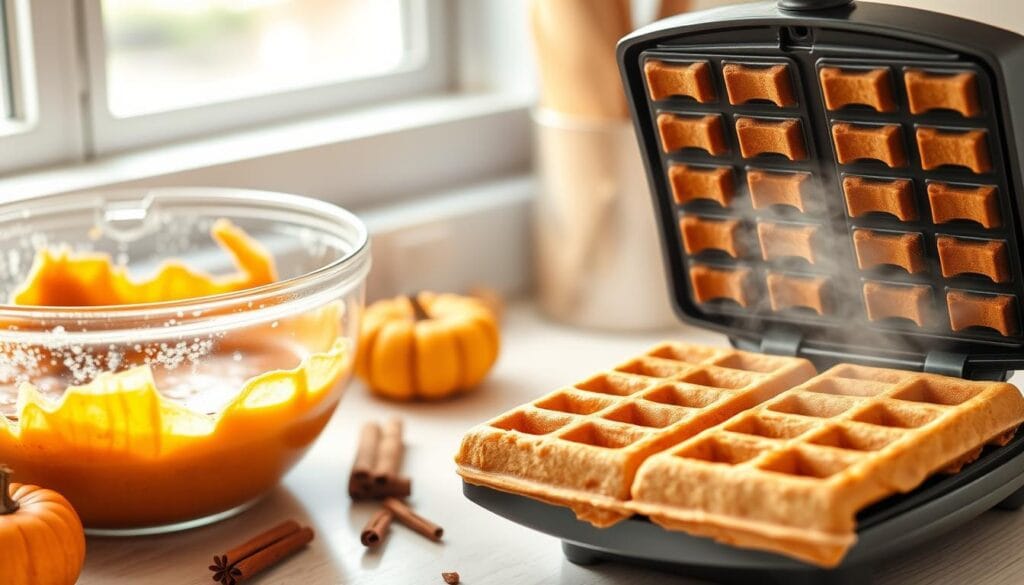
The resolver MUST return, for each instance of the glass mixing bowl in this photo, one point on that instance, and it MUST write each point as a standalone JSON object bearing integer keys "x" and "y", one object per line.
{"x": 167, "y": 414}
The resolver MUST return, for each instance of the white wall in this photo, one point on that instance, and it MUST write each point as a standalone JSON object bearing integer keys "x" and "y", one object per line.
{"x": 496, "y": 51}
{"x": 494, "y": 46}
{"x": 1008, "y": 14}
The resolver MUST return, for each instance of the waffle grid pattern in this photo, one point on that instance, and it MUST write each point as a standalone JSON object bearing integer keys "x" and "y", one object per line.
{"x": 907, "y": 153}
{"x": 791, "y": 474}
{"x": 960, "y": 227}
{"x": 755, "y": 183}
{"x": 586, "y": 441}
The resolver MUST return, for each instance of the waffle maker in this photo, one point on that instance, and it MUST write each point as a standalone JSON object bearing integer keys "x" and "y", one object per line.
{"x": 839, "y": 182}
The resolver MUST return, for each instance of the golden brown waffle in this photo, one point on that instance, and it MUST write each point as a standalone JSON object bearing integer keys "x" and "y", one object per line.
{"x": 580, "y": 446}
{"x": 790, "y": 475}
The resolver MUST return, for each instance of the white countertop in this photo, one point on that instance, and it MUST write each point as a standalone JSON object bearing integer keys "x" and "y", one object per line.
{"x": 537, "y": 357}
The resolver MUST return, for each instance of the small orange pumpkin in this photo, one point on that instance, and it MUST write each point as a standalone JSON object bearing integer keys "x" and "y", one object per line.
{"x": 426, "y": 346}
{"x": 41, "y": 537}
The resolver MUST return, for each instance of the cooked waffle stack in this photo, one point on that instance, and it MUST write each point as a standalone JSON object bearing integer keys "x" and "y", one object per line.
{"x": 581, "y": 446}
{"x": 744, "y": 448}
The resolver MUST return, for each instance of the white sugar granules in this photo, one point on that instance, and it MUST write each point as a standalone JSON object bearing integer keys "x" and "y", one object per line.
{"x": 63, "y": 362}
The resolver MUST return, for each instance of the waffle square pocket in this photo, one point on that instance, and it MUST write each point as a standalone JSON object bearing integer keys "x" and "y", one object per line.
{"x": 692, "y": 80}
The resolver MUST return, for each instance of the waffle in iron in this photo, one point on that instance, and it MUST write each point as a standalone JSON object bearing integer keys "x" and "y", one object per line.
{"x": 790, "y": 475}
{"x": 745, "y": 448}
{"x": 580, "y": 446}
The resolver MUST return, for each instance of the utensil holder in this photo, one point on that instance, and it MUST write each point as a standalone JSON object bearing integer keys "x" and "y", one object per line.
{"x": 597, "y": 260}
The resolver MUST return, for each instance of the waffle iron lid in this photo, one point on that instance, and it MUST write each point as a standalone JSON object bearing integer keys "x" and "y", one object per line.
{"x": 838, "y": 180}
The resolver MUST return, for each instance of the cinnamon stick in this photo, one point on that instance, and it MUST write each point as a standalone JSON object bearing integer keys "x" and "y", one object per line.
{"x": 358, "y": 490}
{"x": 407, "y": 516}
{"x": 256, "y": 544}
{"x": 227, "y": 568}
{"x": 389, "y": 453}
{"x": 378, "y": 458}
{"x": 399, "y": 487}
{"x": 377, "y": 528}
{"x": 270, "y": 556}
{"x": 366, "y": 453}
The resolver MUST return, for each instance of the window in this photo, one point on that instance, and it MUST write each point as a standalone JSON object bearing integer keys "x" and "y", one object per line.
{"x": 436, "y": 80}
{"x": 163, "y": 70}
{"x": 83, "y": 78}
{"x": 39, "y": 109}
{"x": 170, "y": 54}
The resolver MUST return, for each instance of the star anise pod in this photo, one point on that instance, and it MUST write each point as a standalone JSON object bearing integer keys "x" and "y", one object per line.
{"x": 222, "y": 572}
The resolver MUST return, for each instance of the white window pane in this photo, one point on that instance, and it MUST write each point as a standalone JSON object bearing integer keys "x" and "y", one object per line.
{"x": 170, "y": 54}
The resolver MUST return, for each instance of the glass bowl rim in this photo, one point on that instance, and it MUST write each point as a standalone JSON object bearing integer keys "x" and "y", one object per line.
{"x": 348, "y": 269}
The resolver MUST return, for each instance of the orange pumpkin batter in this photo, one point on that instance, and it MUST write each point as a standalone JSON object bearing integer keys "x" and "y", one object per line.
{"x": 127, "y": 455}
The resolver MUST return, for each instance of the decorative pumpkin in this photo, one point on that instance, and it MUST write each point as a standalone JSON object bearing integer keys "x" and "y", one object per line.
{"x": 426, "y": 346}
{"x": 41, "y": 537}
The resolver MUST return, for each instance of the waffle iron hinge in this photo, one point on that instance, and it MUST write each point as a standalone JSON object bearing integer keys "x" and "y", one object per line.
{"x": 788, "y": 341}
{"x": 946, "y": 363}
{"x": 782, "y": 340}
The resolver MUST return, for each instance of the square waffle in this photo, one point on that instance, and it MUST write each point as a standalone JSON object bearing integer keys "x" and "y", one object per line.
{"x": 791, "y": 474}
{"x": 581, "y": 446}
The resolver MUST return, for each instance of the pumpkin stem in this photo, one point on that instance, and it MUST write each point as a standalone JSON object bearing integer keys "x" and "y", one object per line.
{"x": 418, "y": 311}
{"x": 7, "y": 505}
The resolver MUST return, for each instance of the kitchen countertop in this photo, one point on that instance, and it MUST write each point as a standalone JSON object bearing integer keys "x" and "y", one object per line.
{"x": 537, "y": 357}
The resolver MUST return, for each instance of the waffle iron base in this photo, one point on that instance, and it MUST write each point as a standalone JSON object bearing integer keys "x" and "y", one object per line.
{"x": 899, "y": 523}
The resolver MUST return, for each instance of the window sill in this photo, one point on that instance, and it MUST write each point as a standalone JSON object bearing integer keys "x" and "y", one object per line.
{"x": 369, "y": 156}
{"x": 454, "y": 239}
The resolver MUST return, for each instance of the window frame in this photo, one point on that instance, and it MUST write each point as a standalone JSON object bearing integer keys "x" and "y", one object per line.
{"x": 427, "y": 71}
{"x": 478, "y": 117}
{"x": 6, "y": 89}
{"x": 46, "y": 126}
